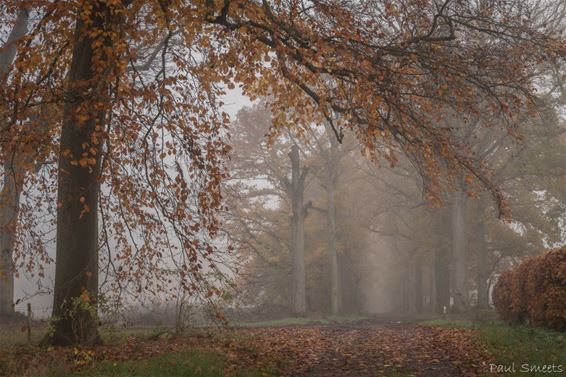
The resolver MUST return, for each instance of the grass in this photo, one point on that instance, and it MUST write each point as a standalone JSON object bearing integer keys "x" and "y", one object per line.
{"x": 525, "y": 345}
{"x": 16, "y": 335}
{"x": 517, "y": 346}
{"x": 450, "y": 323}
{"x": 182, "y": 364}
{"x": 291, "y": 321}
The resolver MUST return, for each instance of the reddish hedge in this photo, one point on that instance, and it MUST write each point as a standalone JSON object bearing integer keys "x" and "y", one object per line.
{"x": 534, "y": 292}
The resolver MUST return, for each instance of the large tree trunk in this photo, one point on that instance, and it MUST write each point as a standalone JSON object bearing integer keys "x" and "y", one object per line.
{"x": 459, "y": 250}
{"x": 12, "y": 182}
{"x": 298, "y": 232}
{"x": 481, "y": 253}
{"x": 76, "y": 274}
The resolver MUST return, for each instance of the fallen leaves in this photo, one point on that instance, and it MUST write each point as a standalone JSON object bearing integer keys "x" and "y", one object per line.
{"x": 348, "y": 350}
{"x": 370, "y": 351}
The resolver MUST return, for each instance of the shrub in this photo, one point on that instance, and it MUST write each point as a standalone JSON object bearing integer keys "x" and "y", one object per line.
{"x": 535, "y": 291}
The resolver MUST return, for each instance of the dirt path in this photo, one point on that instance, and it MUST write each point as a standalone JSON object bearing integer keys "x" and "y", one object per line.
{"x": 370, "y": 350}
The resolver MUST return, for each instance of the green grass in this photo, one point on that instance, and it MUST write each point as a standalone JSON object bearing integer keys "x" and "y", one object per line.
{"x": 450, "y": 323}
{"x": 291, "y": 321}
{"x": 184, "y": 364}
{"x": 525, "y": 345}
{"x": 516, "y": 345}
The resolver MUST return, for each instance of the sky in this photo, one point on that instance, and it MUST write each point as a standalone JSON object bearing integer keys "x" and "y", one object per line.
{"x": 234, "y": 100}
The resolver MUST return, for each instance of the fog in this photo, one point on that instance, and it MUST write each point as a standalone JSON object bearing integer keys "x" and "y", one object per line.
{"x": 282, "y": 188}
{"x": 29, "y": 288}
{"x": 373, "y": 240}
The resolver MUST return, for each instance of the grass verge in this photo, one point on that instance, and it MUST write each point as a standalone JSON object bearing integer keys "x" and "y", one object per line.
{"x": 520, "y": 350}
{"x": 182, "y": 364}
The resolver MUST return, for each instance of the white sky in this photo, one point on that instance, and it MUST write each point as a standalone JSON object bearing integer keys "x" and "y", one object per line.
{"x": 234, "y": 100}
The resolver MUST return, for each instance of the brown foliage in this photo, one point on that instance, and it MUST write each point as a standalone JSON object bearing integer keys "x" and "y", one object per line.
{"x": 535, "y": 291}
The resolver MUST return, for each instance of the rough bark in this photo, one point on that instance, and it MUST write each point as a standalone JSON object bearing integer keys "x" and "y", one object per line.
{"x": 297, "y": 189}
{"x": 459, "y": 250}
{"x": 76, "y": 274}
{"x": 12, "y": 181}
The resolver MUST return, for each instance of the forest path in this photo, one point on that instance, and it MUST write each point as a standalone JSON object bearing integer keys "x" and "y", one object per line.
{"x": 359, "y": 349}
{"x": 367, "y": 350}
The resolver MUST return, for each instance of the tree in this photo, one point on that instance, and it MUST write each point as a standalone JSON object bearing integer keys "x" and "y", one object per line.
{"x": 328, "y": 157}
{"x": 460, "y": 250}
{"x": 13, "y": 179}
{"x": 382, "y": 77}
{"x": 296, "y": 190}
{"x": 256, "y": 160}
{"x": 264, "y": 193}
{"x": 529, "y": 172}
{"x": 76, "y": 274}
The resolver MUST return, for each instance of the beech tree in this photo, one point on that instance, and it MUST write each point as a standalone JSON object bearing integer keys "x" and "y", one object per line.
{"x": 265, "y": 187}
{"x": 376, "y": 68}
{"x": 261, "y": 175}
{"x": 13, "y": 179}
{"x": 327, "y": 165}
{"x": 296, "y": 188}
{"x": 25, "y": 154}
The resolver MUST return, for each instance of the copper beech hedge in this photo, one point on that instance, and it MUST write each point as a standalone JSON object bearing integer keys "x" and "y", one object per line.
{"x": 535, "y": 291}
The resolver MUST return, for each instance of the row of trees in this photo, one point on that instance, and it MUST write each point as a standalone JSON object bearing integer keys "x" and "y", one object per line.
{"x": 111, "y": 129}
{"x": 444, "y": 258}
{"x": 269, "y": 186}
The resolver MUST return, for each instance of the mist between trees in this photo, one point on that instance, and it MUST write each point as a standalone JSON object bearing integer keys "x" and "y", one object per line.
{"x": 370, "y": 241}
{"x": 395, "y": 158}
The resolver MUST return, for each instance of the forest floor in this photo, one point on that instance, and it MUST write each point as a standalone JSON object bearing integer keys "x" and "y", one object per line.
{"x": 368, "y": 347}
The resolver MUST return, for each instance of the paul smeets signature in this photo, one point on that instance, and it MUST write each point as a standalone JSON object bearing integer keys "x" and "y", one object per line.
{"x": 526, "y": 368}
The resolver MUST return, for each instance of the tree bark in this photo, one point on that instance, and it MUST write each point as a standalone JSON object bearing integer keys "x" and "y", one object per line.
{"x": 333, "y": 158}
{"x": 9, "y": 49}
{"x": 459, "y": 250}
{"x": 442, "y": 279}
{"x": 481, "y": 253}
{"x": 10, "y": 196}
{"x": 298, "y": 232}
{"x": 12, "y": 182}
{"x": 76, "y": 274}
{"x": 332, "y": 255}
{"x": 418, "y": 286}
